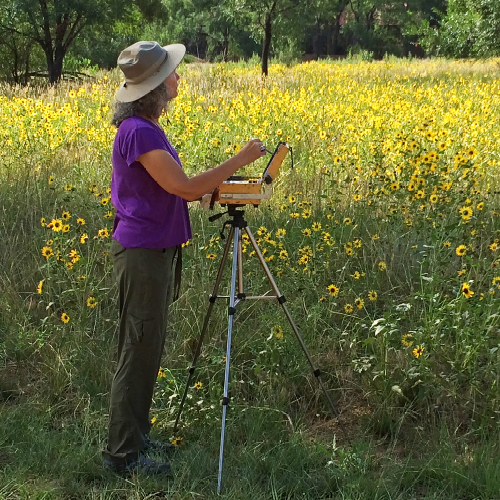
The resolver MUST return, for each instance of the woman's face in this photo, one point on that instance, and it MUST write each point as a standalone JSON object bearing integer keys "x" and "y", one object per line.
{"x": 171, "y": 83}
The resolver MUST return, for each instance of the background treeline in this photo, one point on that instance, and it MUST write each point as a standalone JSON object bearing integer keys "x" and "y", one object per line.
{"x": 54, "y": 38}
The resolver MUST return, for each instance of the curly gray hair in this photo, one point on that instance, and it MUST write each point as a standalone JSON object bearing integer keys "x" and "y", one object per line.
{"x": 151, "y": 105}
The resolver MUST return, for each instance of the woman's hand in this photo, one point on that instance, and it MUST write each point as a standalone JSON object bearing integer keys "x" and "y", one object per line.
{"x": 205, "y": 201}
{"x": 251, "y": 151}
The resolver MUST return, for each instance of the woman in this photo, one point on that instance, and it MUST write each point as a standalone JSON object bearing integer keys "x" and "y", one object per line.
{"x": 150, "y": 192}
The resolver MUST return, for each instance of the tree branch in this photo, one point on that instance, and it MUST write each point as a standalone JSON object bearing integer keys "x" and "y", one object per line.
{"x": 36, "y": 37}
{"x": 61, "y": 27}
{"x": 71, "y": 73}
{"x": 356, "y": 15}
{"x": 47, "y": 40}
{"x": 15, "y": 31}
{"x": 287, "y": 8}
{"x": 74, "y": 30}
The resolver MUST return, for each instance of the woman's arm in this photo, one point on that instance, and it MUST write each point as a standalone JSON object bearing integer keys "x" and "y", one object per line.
{"x": 167, "y": 173}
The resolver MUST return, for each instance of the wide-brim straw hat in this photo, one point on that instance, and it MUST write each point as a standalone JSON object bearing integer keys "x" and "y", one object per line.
{"x": 145, "y": 65}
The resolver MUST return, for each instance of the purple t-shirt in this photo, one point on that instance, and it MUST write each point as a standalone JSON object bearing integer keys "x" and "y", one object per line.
{"x": 146, "y": 215}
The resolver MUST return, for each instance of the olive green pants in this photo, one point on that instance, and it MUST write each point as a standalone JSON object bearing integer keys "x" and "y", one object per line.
{"x": 144, "y": 278}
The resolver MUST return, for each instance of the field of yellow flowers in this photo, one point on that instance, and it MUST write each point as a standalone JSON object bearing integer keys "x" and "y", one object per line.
{"x": 384, "y": 237}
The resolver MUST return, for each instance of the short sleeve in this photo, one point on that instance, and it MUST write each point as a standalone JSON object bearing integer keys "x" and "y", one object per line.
{"x": 139, "y": 140}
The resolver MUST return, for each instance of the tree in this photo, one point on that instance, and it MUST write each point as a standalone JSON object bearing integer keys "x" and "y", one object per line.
{"x": 217, "y": 27}
{"x": 210, "y": 28}
{"x": 455, "y": 33}
{"x": 101, "y": 44}
{"x": 55, "y": 24}
{"x": 462, "y": 28}
{"x": 263, "y": 15}
{"x": 197, "y": 24}
{"x": 488, "y": 39}
{"x": 14, "y": 49}
{"x": 383, "y": 27}
{"x": 361, "y": 23}
{"x": 324, "y": 17}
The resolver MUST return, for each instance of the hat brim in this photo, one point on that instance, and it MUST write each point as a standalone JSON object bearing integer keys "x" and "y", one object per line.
{"x": 129, "y": 92}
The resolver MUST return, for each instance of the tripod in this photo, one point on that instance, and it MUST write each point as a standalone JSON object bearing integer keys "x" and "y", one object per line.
{"x": 238, "y": 223}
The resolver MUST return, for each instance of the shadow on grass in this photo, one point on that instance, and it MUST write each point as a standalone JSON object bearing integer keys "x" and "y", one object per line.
{"x": 43, "y": 455}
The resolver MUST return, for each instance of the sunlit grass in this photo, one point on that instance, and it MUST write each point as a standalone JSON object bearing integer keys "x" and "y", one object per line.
{"x": 385, "y": 239}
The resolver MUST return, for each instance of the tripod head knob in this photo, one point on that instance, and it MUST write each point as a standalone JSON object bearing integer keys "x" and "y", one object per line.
{"x": 216, "y": 216}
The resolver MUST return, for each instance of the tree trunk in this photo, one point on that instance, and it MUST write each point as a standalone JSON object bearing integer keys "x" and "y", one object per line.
{"x": 370, "y": 19}
{"x": 65, "y": 30}
{"x": 54, "y": 65}
{"x": 225, "y": 44}
{"x": 333, "y": 38}
{"x": 201, "y": 46}
{"x": 329, "y": 39}
{"x": 51, "y": 70}
{"x": 267, "y": 43}
{"x": 57, "y": 66}
{"x": 317, "y": 34}
{"x": 27, "y": 65}
{"x": 15, "y": 70}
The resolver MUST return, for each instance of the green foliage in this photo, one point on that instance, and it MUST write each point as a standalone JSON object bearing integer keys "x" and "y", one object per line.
{"x": 80, "y": 64}
{"x": 232, "y": 29}
{"x": 457, "y": 35}
{"x": 356, "y": 53}
{"x": 466, "y": 29}
{"x": 54, "y": 27}
{"x": 41, "y": 34}
{"x": 488, "y": 41}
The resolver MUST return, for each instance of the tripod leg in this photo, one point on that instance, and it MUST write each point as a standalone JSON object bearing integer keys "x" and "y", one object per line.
{"x": 281, "y": 299}
{"x": 212, "y": 299}
{"x": 231, "y": 311}
{"x": 241, "y": 293}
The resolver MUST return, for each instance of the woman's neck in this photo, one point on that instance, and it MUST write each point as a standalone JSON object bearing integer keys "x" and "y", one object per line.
{"x": 151, "y": 119}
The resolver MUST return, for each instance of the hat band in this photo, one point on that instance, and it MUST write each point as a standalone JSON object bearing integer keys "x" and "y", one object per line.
{"x": 153, "y": 69}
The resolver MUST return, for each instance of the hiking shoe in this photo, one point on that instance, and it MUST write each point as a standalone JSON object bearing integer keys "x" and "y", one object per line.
{"x": 141, "y": 465}
{"x": 156, "y": 446}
